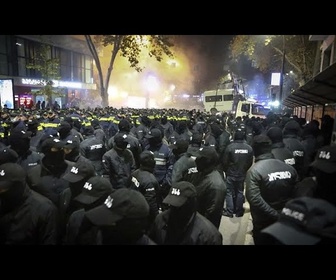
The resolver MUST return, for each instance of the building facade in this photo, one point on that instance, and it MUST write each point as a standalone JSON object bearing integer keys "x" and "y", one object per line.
{"x": 317, "y": 97}
{"x": 76, "y": 70}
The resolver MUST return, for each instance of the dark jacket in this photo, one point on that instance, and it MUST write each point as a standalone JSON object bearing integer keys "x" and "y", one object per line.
{"x": 176, "y": 136}
{"x": 220, "y": 142}
{"x": 182, "y": 165}
{"x": 270, "y": 183}
{"x": 164, "y": 159}
{"x": 211, "y": 192}
{"x": 145, "y": 182}
{"x": 72, "y": 227}
{"x": 29, "y": 160}
{"x": 140, "y": 132}
{"x": 279, "y": 151}
{"x": 81, "y": 232}
{"x": 198, "y": 231}
{"x": 118, "y": 166}
{"x": 33, "y": 222}
{"x": 133, "y": 145}
{"x": 48, "y": 182}
{"x": 93, "y": 149}
{"x": 237, "y": 159}
{"x": 294, "y": 144}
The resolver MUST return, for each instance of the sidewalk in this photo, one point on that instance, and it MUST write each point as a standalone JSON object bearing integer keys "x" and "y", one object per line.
{"x": 237, "y": 231}
{"x": 248, "y": 236}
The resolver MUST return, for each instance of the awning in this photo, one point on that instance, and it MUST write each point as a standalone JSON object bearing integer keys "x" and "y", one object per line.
{"x": 319, "y": 90}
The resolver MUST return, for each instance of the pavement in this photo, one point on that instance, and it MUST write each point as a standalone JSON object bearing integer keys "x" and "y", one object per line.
{"x": 237, "y": 230}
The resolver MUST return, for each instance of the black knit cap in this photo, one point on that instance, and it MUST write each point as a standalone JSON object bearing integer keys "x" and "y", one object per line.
{"x": 124, "y": 125}
{"x": 262, "y": 144}
{"x": 275, "y": 134}
{"x": 147, "y": 159}
{"x": 292, "y": 127}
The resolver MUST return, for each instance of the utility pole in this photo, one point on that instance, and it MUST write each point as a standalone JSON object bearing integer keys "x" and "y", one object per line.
{"x": 282, "y": 70}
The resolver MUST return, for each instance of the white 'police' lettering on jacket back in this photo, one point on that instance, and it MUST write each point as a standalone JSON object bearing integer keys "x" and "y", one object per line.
{"x": 290, "y": 161}
{"x": 241, "y": 151}
{"x": 97, "y": 146}
{"x": 279, "y": 175}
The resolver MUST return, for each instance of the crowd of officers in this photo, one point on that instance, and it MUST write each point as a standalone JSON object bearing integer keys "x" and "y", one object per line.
{"x": 154, "y": 176}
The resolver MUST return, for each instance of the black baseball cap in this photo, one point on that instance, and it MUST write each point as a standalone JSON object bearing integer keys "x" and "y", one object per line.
{"x": 196, "y": 138}
{"x": 304, "y": 221}
{"x": 325, "y": 159}
{"x": 154, "y": 133}
{"x": 208, "y": 152}
{"x": 180, "y": 144}
{"x": 72, "y": 142}
{"x": 79, "y": 171}
{"x": 93, "y": 189}
{"x": 8, "y": 155}
{"x": 51, "y": 142}
{"x": 11, "y": 173}
{"x": 147, "y": 159}
{"x": 121, "y": 204}
{"x": 179, "y": 193}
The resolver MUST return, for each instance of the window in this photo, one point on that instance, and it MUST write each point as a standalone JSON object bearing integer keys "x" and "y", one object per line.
{"x": 65, "y": 65}
{"x": 26, "y": 50}
{"x": 3, "y": 55}
{"x": 228, "y": 97}
{"x": 88, "y": 70}
{"x": 214, "y": 98}
{"x": 245, "y": 108}
{"x": 17, "y": 52}
{"x": 326, "y": 58}
{"x": 75, "y": 66}
{"x": 258, "y": 109}
{"x": 3, "y": 64}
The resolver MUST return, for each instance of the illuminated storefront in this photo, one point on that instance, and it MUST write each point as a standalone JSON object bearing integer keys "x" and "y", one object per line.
{"x": 75, "y": 94}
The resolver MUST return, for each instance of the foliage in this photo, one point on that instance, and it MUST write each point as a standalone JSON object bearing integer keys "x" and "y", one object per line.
{"x": 266, "y": 53}
{"x": 49, "y": 69}
{"x": 129, "y": 46}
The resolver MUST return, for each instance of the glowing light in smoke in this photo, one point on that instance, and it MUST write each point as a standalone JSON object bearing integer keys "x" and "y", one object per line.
{"x": 112, "y": 91}
{"x": 152, "y": 83}
{"x": 172, "y": 87}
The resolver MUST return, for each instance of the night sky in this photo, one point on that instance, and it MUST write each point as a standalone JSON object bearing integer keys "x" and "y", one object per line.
{"x": 209, "y": 53}
{"x": 213, "y": 55}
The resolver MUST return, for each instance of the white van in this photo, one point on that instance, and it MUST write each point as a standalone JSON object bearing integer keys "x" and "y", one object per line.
{"x": 250, "y": 109}
{"x": 221, "y": 99}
